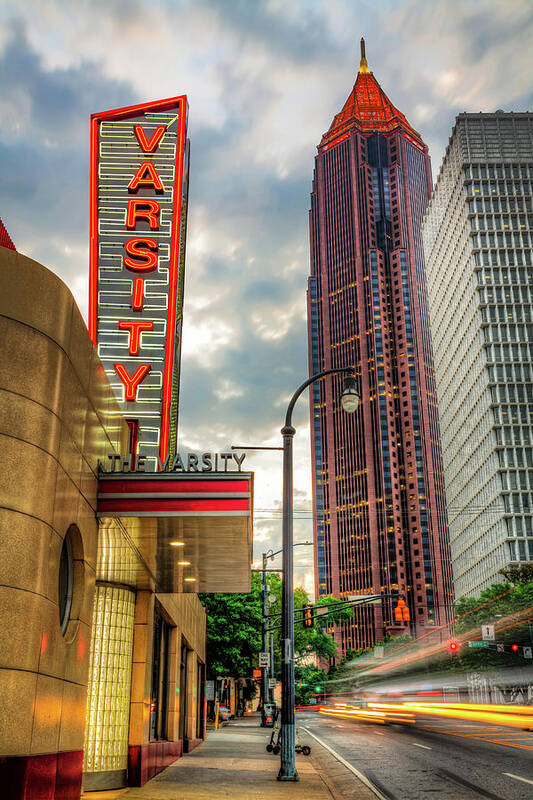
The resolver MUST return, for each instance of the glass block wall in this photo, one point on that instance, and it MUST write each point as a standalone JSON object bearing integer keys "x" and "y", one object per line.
{"x": 478, "y": 244}
{"x": 108, "y": 696}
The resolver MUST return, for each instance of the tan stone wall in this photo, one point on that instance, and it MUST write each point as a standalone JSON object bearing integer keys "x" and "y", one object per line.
{"x": 143, "y": 633}
{"x": 57, "y": 418}
{"x": 187, "y": 614}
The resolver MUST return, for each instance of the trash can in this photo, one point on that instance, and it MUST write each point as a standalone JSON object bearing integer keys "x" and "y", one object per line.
{"x": 269, "y": 714}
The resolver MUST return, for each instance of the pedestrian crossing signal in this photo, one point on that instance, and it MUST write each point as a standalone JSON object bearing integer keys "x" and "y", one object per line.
{"x": 308, "y": 617}
{"x": 401, "y": 612}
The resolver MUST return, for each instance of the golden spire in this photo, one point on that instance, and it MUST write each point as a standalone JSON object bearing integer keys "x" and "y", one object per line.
{"x": 363, "y": 66}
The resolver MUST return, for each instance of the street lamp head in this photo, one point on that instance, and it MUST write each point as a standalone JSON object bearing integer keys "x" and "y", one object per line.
{"x": 349, "y": 398}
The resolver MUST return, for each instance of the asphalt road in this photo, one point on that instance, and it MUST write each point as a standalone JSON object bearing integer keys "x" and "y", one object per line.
{"x": 448, "y": 759}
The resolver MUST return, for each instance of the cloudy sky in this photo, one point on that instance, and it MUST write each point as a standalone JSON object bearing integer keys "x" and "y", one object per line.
{"x": 264, "y": 79}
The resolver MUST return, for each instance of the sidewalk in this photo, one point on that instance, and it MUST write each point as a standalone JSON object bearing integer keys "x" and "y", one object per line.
{"x": 231, "y": 763}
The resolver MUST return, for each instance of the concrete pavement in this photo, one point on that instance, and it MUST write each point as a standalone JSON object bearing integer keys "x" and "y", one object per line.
{"x": 233, "y": 763}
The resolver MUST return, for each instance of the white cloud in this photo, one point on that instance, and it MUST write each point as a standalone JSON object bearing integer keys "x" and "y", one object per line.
{"x": 204, "y": 336}
{"x": 227, "y": 390}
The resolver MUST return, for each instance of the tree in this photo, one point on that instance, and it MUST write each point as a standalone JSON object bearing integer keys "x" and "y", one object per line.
{"x": 233, "y": 630}
{"x": 234, "y": 623}
{"x": 309, "y": 682}
{"x": 316, "y": 640}
{"x": 498, "y": 600}
{"x": 521, "y": 574}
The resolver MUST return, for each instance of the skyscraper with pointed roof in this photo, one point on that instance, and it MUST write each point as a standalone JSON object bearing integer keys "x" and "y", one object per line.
{"x": 5, "y": 238}
{"x": 379, "y": 504}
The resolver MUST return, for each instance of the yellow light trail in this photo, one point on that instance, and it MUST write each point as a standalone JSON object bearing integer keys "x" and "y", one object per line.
{"x": 472, "y": 712}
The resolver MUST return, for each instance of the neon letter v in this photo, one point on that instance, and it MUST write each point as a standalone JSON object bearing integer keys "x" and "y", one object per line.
{"x": 149, "y": 145}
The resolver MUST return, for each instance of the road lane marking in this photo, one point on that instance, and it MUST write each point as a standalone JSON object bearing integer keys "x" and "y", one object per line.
{"x": 422, "y": 745}
{"x": 345, "y": 763}
{"x": 517, "y": 777}
{"x": 480, "y": 738}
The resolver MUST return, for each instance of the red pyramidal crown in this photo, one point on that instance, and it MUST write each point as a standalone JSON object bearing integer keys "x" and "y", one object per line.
{"x": 367, "y": 108}
{"x": 5, "y": 238}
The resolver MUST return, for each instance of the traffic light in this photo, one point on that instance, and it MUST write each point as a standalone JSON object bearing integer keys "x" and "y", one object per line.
{"x": 401, "y": 612}
{"x": 453, "y": 646}
{"x": 308, "y": 617}
{"x": 514, "y": 648}
{"x": 318, "y": 689}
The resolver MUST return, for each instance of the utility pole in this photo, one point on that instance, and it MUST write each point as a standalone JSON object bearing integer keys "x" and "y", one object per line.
{"x": 264, "y": 670}
{"x": 272, "y": 675}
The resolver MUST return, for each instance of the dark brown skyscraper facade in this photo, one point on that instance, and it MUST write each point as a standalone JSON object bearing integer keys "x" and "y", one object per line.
{"x": 379, "y": 503}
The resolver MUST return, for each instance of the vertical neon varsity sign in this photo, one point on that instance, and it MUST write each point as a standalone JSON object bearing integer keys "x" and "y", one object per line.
{"x": 139, "y": 184}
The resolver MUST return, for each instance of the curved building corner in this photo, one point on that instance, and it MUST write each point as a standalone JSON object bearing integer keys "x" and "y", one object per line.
{"x": 102, "y": 658}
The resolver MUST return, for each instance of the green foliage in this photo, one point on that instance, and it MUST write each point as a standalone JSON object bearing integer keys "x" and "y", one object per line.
{"x": 234, "y": 628}
{"x": 521, "y": 574}
{"x": 233, "y": 631}
{"x": 307, "y": 681}
{"x": 316, "y": 640}
{"x": 498, "y": 600}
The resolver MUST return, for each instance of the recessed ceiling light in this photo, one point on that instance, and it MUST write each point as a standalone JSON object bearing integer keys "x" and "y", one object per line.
{"x": 184, "y": 563}
{"x": 177, "y": 544}
{"x": 189, "y": 579}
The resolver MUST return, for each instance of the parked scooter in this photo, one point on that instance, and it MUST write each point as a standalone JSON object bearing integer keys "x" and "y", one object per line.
{"x": 274, "y": 745}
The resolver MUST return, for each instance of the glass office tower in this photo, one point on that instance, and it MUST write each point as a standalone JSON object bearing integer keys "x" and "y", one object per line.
{"x": 380, "y": 516}
{"x": 477, "y": 239}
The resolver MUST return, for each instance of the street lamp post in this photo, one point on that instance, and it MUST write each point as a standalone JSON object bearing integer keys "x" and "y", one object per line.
{"x": 350, "y": 403}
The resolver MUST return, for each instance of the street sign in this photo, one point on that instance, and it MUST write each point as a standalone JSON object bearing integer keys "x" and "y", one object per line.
{"x": 272, "y": 598}
{"x": 478, "y": 643}
{"x": 528, "y": 652}
{"x": 500, "y": 648}
{"x": 272, "y": 682}
{"x": 263, "y": 659}
{"x": 210, "y": 690}
{"x": 487, "y": 632}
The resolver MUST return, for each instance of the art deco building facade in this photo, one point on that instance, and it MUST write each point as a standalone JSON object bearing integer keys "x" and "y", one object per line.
{"x": 380, "y": 517}
{"x": 477, "y": 239}
{"x": 102, "y": 634}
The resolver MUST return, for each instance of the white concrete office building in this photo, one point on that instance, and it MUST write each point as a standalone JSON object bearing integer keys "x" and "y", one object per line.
{"x": 478, "y": 243}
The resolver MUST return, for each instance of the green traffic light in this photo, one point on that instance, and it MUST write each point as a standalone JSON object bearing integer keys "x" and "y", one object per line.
{"x": 318, "y": 689}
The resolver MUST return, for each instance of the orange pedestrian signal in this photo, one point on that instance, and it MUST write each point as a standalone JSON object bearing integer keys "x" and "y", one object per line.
{"x": 401, "y": 612}
{"x": 308, "y": 617}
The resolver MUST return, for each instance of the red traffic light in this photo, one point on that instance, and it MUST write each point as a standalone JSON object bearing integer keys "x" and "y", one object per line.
{"x": 453, "y": 646}
{"x": 514, "y": 648}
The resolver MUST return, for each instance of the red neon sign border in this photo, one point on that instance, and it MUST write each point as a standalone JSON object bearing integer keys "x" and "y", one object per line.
{"x": 124, "y": 113}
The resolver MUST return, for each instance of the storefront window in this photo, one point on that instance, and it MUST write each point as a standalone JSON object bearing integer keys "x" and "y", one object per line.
{"x": 160, "y": 668}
